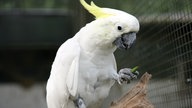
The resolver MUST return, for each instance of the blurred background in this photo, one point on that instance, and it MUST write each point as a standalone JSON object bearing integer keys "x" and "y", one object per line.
{"x": 32, "y": 30}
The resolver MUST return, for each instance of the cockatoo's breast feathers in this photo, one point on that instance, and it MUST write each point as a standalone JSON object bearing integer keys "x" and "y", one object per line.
{"x": 95, "y": 10}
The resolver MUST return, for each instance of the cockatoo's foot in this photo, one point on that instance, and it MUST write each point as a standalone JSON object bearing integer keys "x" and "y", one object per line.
{"x": 79, "y": 102}
{"x": 126, "y": 75}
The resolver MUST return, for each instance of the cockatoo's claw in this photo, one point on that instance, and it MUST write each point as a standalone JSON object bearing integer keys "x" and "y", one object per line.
{"x": 79, "y": 102}
{"x": 126, "y": 75}
{"x": 136, "y": 73}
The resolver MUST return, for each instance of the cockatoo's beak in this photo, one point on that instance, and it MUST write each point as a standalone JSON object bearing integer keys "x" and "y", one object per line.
{"x": 125, "y": 41}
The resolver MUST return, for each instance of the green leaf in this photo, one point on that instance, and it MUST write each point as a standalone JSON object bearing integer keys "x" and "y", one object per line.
{"x": 134, "y": 69}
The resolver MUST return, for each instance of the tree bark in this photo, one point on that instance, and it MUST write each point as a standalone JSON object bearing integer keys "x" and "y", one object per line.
{"x": 136, "y": 97}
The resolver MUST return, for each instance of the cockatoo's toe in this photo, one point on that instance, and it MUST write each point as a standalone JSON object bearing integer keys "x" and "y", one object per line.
{"x": 79, "y": 102}
{"x": 126, "y": 75}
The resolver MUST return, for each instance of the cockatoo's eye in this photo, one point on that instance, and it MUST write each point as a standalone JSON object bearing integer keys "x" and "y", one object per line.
{"x": 119, "y": 28}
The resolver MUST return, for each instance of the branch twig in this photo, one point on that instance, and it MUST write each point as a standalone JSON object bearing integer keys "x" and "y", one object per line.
{"x": 136, "y": 97}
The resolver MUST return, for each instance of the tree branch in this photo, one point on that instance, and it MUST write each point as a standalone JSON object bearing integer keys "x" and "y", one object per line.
{"x": 136, "y": 97}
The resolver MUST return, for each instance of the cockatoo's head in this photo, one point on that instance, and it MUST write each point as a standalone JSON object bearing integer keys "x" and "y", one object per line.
{"x": 114, "y": 27}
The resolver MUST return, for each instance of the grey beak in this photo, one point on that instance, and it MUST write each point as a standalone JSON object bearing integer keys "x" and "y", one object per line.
{"x": 125, "y": 41}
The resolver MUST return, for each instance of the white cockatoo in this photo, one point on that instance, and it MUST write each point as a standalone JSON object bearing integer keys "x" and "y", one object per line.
{"x": 84, "y": 68}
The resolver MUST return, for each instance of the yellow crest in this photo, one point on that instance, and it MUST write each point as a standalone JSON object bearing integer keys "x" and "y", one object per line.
{"x": 95, "y": 10}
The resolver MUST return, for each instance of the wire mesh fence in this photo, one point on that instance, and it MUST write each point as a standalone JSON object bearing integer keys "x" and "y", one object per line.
{"x": 164, "y": 49}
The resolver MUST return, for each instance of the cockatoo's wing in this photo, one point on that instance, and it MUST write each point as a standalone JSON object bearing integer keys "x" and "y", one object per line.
{"x": 64, "y": 74}
{"x": 72, "y": 76}
{"x": 70, "y": 53}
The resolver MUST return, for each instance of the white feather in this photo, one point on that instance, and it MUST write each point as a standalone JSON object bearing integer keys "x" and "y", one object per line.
{"x": 72, "y": 77}
{"x": 64, "y": 75}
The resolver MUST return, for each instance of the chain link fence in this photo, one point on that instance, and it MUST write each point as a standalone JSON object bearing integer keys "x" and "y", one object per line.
{"x": 164, "y": 49}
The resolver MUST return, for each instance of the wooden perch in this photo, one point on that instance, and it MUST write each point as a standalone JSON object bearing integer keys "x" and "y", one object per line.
{"x": 136, "y": 97}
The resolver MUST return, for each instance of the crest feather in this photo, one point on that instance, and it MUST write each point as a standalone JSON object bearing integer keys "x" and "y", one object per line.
{"x": 95, "y": 10}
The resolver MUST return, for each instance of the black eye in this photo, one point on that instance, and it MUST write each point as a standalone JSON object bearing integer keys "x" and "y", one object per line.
{"x": 119, "y": 27}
